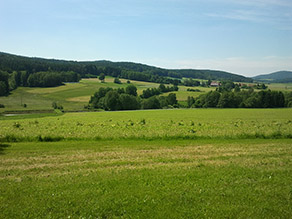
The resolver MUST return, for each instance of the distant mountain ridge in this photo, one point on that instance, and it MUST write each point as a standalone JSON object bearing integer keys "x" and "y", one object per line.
{"x": 275, "y": 77}
{"x": 10, "y": 62}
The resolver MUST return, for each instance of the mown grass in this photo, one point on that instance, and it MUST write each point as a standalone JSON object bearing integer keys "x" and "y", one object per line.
{"x": 147, "y": 179}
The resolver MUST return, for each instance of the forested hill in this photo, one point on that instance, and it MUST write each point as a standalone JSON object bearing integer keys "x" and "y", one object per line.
{"x": 279, "y": 76}
{"x": 10, "y": 63}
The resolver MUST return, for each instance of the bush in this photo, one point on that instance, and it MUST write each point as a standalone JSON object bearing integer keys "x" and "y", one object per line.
{"x": 151, "y": 103}
{"x": 57, "y": 106}
{"x": 117, "y": 81}
{"x": 2, "y": 105}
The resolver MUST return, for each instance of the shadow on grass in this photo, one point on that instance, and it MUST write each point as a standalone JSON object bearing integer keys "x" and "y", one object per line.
{"x": 3, "y": 147}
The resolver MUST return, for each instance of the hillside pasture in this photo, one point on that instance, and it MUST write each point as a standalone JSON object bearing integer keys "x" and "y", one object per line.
{"x": 72, "y": 96}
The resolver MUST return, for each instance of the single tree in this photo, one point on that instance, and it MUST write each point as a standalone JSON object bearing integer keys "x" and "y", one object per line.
{"x": 131, "y": 90}
{"x": 101, "y": 77}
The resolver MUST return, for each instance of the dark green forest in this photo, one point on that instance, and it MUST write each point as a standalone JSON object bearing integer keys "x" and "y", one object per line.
{"x": 275, "y": 77}
{"x": 38, "y": 72}
{"x": 127, "y": 99}
{"x": 229, "y": 95}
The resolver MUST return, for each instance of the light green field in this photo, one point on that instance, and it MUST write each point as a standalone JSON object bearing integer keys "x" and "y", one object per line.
{"x": 280, "y": 86}
{"x": 207, "y": 123}
{"x": 194, "y": 163}
{"x": 147, "y": 179}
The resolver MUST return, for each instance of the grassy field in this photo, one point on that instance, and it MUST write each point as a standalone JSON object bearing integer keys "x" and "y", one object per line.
{"x": 181, "y": 123}
{"x": 204, "y": 163}
{"x": 147, "y": 179}
{"x": 181, "y": 163}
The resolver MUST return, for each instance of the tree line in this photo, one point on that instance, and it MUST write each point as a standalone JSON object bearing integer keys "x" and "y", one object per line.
{"x": 25, "y": 71}
{"x": 128, "y": 99}
{"x": 15, "y": 79}
{"x": 241, "y": 99}
{"x": 10, "y": 63}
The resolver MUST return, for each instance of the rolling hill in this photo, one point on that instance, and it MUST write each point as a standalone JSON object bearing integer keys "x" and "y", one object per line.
{"x": 10, "y": 63}
{"x": 275, "y": 77}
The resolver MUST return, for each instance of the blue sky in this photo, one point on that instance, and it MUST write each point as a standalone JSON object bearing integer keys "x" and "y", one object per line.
{"x": 246, "y": 37}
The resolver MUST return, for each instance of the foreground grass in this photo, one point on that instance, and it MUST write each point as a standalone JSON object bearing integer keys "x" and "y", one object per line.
{"x": 147, "y": 179}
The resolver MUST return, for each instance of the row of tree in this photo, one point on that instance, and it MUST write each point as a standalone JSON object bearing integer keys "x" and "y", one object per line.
{"x": 127, "y": 99}
{"x": 4, "y": 83}
{"x": 241, "y": 99}
{"x": 10, "y": 81}
{"x": 149, "y": 92}
{"x": 51, "y": 79}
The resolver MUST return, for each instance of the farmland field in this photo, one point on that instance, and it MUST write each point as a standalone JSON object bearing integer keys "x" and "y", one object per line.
{"x": 210, "y": 163}
{"x": 180, "y": 163}
{"x": 72, "y": 96}
{"x": 191, "y": 123}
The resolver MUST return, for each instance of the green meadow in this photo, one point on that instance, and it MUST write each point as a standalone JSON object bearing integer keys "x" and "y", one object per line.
{"x": 177, "y": 123}
{"x": 185, "y": 163}
{"x": 176, "y": 163}
{"x": 147, "y": 179}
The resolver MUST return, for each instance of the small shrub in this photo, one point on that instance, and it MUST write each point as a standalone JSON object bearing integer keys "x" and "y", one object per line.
{"x": 79, "y": 124}
{"x": 2, "y": 105}
{"x": 49, "y": 138}
{"x": 9, "y": 138}
{"x": 117, "y": 81}
{"x": 142, "y": 122}
{"x": 57, "y": 106}
{"x": 54, "y": 105}
{"x": 16, "y": 125}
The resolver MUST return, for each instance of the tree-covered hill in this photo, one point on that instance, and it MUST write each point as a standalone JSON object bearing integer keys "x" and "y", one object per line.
{"x": 276, "y": 77}
{"x": 10, "y": 63}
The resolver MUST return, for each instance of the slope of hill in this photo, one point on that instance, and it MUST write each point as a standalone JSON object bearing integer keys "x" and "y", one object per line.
{"x": 9, "y": 62}
{"x": 276, "y": 77}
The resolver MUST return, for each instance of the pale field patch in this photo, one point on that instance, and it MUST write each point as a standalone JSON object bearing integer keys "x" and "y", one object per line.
{"x": 119, "y": 158}
{"x": 49, "y": 90}
{"x": 83, "y": 99}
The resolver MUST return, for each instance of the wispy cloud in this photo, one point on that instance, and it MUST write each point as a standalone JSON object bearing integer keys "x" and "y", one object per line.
{"x": 277, "y": 13}
{"x": 259, "y": 3}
